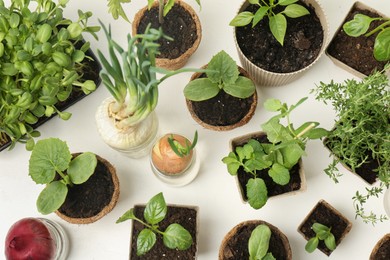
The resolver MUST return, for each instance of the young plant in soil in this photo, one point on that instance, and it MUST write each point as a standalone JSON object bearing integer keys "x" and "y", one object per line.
{"x": 322, "y": 233}
{"x": 116, "y": 9}
{"x": 258, "y": 243}
{"x": 51, "y": 164}
{"x": 360, "y": 137}
{"x": 175, "y": 236}
{"x": 41, "y": 65}
{"x": 286, "y": 147}
{"x": 360, "y": 25}
{"x": 223, "y": 75}
{"x": 276, "y": 19}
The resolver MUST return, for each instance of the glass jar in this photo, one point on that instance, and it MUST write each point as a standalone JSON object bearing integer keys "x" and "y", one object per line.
{"x": 59, "y": 236}
{"x": 386, "y": 202}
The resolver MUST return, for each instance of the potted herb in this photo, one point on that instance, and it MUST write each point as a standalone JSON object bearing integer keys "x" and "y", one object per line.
{"x": 381, "y": 251}
{"x": 173, "y": 159}
{"x": 279, "y": 40}
{"x": 177, "y": 20}
{"x": 80, "y": 188}
{"x": 360, "y": 45}
{"x": 324, "y": 228}
{"x": 127, "y": 121}
{"x": 255, "y": 239}
{"x": 162, "y": 231}
{"x": 45, "y": 66}
{"x": 359, "y": 138}
{"x": 223, "y": 98}
{"x": 269, "y": 163}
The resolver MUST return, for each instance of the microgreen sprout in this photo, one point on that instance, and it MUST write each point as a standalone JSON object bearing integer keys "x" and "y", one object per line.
{"x": 258, "y": 243}
{"x": 323, "y": 233}
{"x": 174, "y": 237}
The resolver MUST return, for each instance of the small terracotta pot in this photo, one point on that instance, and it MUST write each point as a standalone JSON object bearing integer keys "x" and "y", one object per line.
{"x": 179, "y": 62}
{"x": 107, "y": 208}
{"x": 381, "y": 250}
{"x": 267, "y": 78}
{"x": 242, "y": 122}
{"x": 277, "y": 237}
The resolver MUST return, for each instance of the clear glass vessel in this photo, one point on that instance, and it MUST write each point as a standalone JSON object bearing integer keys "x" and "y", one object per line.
{"x": 60, "y": 238}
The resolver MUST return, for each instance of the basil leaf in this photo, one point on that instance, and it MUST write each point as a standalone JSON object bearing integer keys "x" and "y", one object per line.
{"x": 176, "y": 236}
{"x": 145, "y": 241}
{"x": 156, "y": 209}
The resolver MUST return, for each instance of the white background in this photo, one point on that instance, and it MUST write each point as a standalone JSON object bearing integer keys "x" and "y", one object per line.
{"x": 214, "y": 190}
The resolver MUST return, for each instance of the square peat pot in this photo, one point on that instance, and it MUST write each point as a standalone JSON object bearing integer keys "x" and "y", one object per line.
{"x": 186, "y": 216}
{"x": 297, "y": 175}
{"x": 327, "y": 215}
{"x": 355, "y": 54}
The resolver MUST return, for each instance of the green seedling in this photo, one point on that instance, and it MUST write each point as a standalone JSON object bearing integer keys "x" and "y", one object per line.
{"x": 322, "y": 233}
{"x": 258, "y": 243}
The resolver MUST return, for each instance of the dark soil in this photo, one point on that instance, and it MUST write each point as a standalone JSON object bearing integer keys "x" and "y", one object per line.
{"x": 302, "y": 43}
{"x": 272, "y": 187}
{"x": 237, "y": 247}
{"x": 178, "y": 24}
{"x": 356, "y": 52}
{"x": 327, "y": 216}
{"x": 383, "y": 252}
{"x": 88, "y": 199}
{"x": 181, "y": 215}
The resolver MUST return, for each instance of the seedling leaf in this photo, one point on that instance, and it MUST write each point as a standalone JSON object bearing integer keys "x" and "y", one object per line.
{"x": 257, "y": 193}
{"x": 156, "y": 209}
{"x": 52, "y": 197}
{"x": 82, "y": 167}
{"x": 259, "y": 242}
{"x": 175, "y": 236}
{"x": 145, "y": 241}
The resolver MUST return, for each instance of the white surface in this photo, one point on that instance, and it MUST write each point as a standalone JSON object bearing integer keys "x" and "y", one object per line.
{"x": 214, "y": 190}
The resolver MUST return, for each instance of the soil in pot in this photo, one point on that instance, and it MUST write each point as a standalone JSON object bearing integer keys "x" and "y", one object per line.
{"x": 325, "y": 214}
{"x": 302, "y": 43}
{"x": 187, "y": 217}
{"x": 88, "y": 199}
{"x": 356, "y": 52}
{"x": 236, "y": 248}
{"x": 272, "y": 187}
{"x": 381, "y": 250}
{"x": 178, "y": 24}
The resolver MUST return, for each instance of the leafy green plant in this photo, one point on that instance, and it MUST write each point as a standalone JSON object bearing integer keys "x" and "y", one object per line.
{"x": 51, "y": 163}
{"x": 286, "y": 146}
{"x": 116, "y": 9}
{"x": 181, "y": 150}
{"x": 175, "y": 236}
{"x": 322, "y": 233}
{"x": 360, "y": 25}
{"x": 361, "y": 132}
{"x": 223, "y": 75}
{"x": 40, "y": 64}
{"x": 276, "y": 20}
{"x": 259, "y": 242}
{"x": 133, "y": 83}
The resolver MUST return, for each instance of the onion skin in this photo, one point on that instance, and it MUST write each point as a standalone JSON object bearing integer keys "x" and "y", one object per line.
{"x": 29, "y": 239}
{"x": 166, "y": 160}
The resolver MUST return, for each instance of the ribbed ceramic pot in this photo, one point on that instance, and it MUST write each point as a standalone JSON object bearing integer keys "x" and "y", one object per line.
{"x": 179, "y": 62}
{"x": 267, "y": 78}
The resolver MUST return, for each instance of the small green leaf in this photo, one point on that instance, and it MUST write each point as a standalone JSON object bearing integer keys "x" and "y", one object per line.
{"x": 126, "y": 216}
{"x": 222, "y": 69}
{"x": 330, "y": 242}
{"x": 156, "y": 209}
{"x": 242, "y": 19}
{"x": 291, "y": 155}
{"x": 312, "y": 244}
{"x": 44, "y": 33}
{"x": 257, "y": 193}
{"x": 168, "y": 6}
{"x": 49, "y": 155}
{"x": 316, "y": 133}
{"x": 259, "y": 15}
{"x": 318, "y": 227}
{"x": 279, "y": 174}
{"x": 201, "y": 89}
{"x": 177, "y": 237}
{"x": 82, "y": 167}
{"x": 272, "y": 104}
{"x": 254, "y": 2}
{"x": 278, "y": 27}
{"x": 295, "y": 11}
{"x": 52, "y": 197}
{"x": 358, "y": 25}
{"x": 145, "y": 241}
{"x": 286, "y": 2}
{"x": 382, "y": 45}
{"x": 242, "y": 88}
{"x": 259, "y": 242}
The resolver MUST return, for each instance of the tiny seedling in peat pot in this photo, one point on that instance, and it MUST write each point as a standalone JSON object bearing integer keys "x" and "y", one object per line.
{"x": 258, "y": 243}
{"x": 360, "y": 25}
{"x": 322, "y": 233}
{"x": 175, "y": 236}
{"x": 51, "y": 163}
{"x": 276, "y": 19}
{"x": 285, "y": 148}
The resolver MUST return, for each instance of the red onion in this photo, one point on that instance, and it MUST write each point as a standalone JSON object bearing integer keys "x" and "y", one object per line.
{"x": 29, "y": 239}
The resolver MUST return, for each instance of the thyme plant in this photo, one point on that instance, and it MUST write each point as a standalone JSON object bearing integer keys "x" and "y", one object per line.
{"x": 361, "y": 132}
